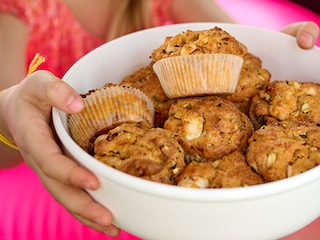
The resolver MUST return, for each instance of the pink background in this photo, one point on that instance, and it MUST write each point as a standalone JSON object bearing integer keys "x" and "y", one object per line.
{"x": 28, "y": 212}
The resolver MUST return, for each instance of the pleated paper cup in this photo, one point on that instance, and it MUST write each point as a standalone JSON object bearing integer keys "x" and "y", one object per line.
{"x": 199, "y": 74}
{"x": 107, "y": 108}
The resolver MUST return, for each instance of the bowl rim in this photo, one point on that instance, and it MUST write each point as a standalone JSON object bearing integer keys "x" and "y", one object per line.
{"x": 169, "y": 191}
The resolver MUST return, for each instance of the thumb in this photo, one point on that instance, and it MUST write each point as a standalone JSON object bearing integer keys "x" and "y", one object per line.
{"x": 50, "y": 90}
{"x": 306, "y": 33}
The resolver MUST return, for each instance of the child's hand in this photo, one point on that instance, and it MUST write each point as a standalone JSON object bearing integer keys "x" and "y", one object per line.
{"x": 307, "y": 33}
{"x": 26, "y": 108}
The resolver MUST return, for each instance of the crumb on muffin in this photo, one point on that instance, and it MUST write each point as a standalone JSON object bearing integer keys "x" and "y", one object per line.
{"x": 253, "y": 78}
{"x": 214, "y": 40}
{"x": 284, "y": 149}
{"x": 149, "y": 153}
{"x": 229, "y": 172}
{"x": 208, "y": 127}
{"x": 286, "y": 100}
{"x": 147, "y": 81}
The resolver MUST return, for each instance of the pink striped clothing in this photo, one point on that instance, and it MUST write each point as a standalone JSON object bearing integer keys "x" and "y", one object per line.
{"x": 56, "y": 34}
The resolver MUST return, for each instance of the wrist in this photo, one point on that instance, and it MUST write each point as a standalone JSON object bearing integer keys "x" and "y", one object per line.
{"x": 5, "y": 135}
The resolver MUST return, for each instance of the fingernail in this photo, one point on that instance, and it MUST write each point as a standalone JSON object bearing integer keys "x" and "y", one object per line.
{"x": 90, "y": 185}
{"x": 307, "y": 39}
{"x": 103, "y": 222}
{"x": 75, "y": 104}
{"x": 111, "y": 231}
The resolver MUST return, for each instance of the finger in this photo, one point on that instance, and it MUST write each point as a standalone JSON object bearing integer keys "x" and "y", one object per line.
{"x": 49, "y": 158}
{"x": 80, "y": 204}
{"x": 111, "y": 230}
{"x": 100, "y": 225}
{"x": 306, "y": 33}
{"x": 68, "y": 172}
{"x": 50, "y": 90}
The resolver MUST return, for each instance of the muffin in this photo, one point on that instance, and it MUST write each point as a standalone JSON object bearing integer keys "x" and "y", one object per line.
{"x": 197, "y": 175}
{"x": 234, "y": 171}
{"x": 196, "y": 63}
{"x": 286, "y": 100}
{"x": 253, "y": 78}
{"x": 284, "y": 149}
{"x": 214, "y": 40}
{"x": 147, "y": 81}
{"x": 106, "y": 108}
{"x": 228, "y": 172}
{"x": 209, "y": 128}
{"x": 149, "y": 153}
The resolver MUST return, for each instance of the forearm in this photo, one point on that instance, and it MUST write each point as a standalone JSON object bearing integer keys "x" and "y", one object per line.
{"x": 13, "y": 39}
{"x": 9, "y": 156}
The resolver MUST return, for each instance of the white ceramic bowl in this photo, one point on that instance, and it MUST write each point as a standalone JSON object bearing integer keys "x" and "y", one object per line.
{"x": 157, "y": 211}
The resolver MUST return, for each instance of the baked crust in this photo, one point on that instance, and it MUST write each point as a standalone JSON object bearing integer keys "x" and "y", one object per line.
{"x": 286, "y": 100}
{"x": 208, "y": 127}
{"x": 284, "y": 149}
{"x": 150, "y": 153}
{"x": 229, "y": 172}
{"x": 253, "y": 78}
{"x": 214, "y": 40}
{"x": 147, "y": 81}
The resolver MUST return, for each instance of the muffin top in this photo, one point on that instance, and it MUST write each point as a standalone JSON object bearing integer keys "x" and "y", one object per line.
{"x": 253, "y": 78}
{"x": 286, "y": 100}
{"x": 107, "y": 107}
{"x": 150, "y": 153}
{"x": 147, "y": 81}
{"x": 234, "y": 171}
{"x": 228, "y": 172}
{"x": 208, "y": 127}
{"x": 284, "y": 149}
{"x": 209, "y": 41}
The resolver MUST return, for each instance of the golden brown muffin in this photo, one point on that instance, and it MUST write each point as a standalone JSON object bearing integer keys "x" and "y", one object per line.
{"x": 106, "y": 108}
{"x": 149, "y": 153}
{"x": 284, "y": 149}
{"x": 215, "y": 40}
{"x": 197, "y": 175}
{"x": 147, "y": 81}
{"x": 286, "y": 100}
{"x": 253, "y": 78}
{"x": 234, "y": 171}
{"x": 230, "y": 171}
{"x": 208, "y": 127}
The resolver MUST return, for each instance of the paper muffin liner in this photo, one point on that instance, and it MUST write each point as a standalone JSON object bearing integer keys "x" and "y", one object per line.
{"x": 199, "y": 74}
{"x": 106, "y": 108}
